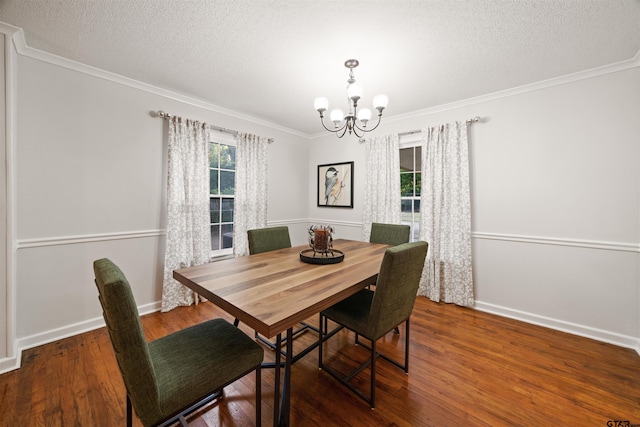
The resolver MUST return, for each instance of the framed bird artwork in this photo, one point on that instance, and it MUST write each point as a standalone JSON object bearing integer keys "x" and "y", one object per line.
{"x": 335, "y": 185}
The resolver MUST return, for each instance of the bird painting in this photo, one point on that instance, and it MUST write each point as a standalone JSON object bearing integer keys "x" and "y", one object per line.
{"x": 335, "y": 185}
{"x": 331, "y": 183}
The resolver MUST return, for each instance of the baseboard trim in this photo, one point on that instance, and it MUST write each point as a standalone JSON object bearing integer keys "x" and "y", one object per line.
{"x": 12, "y": 363}
{"x": 563, "y": 326}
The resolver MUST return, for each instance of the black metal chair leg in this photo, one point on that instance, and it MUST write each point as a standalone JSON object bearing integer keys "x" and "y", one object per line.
{"x": 321, "y": 338}
{"x": 406, "y": 347}
{"x": 259, "y": 397}
{"x": 372, "y": 395}
{"x": 129, "y": 412}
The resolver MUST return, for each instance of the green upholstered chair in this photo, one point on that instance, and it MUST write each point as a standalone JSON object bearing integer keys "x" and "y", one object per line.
{"x": 171, "y": 377}
{"x": 268, "y": 239}
{"x": 372, "y": 314}
{"x": 389, "y": 234}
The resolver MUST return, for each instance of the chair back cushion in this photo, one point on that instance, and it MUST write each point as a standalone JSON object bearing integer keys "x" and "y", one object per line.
{"x": 127, "y": 338}
{"x": 396, "y": 288}
{"x": 389, "y": 234}
{"x": 268, "y": 239}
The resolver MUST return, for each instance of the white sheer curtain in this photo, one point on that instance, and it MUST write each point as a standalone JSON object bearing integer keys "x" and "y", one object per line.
{"x": 382, "y": 192}
{"x": 250, "y": 210}
{"x": 445, "y": 219}
{"x": 188, "y": 222}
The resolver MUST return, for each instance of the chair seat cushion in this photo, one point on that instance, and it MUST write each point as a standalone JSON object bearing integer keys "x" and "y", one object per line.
{"x": 201, "y": 359}
{"x": 352, "y": 312}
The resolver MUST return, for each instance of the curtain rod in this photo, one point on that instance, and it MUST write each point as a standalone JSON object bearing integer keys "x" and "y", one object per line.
{"x": 167, "y": 116}
{"x": 476, "y": 119}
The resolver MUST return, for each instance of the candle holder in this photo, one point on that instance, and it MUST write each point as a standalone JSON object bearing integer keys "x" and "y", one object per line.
{"x": 321, "y": 243}
{"x": 321, "y": 239}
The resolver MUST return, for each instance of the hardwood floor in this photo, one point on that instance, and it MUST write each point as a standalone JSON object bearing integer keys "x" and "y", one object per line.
{"x": 466, "y": 368}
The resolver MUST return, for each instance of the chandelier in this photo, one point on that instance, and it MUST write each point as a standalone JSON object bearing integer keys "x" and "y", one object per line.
{"x": 356, "y": 120}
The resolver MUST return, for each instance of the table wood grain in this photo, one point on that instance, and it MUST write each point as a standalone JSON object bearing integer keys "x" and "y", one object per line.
{"x": 273, "y": 291}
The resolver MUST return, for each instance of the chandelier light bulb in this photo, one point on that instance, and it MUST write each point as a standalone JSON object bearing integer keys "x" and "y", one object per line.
{"x": 321, "y": 104}
{"x": 337, "y": 116}
{"x": 354, "y": 92}
{"x": 380, "y": 102}
{"x": 364, "y": 115}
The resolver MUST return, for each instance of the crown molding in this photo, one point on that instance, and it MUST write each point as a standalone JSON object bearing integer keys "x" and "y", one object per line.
{"x": 17, "y": 35}
{"x": 19, "y": 41}
{"x": 518, "y": 90}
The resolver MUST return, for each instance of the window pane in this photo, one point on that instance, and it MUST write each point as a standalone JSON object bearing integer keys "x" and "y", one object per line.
{"x": 215, "y": 237}
{"x": 214, "y": 210}
{"x": 415, "y": 229}
{"x": 418, "y": 158}
{"x": 405, "y": 207}
{"x": 418, "y": 183}
{"x": 227, "y": 157}
{"x": 214, "y": 150}
{"x": 406, "y": 159}
{"x": 227, "y": 182}
{"x": 227, "y": 210}
{"x": 213, "y": 181}
{"x": 406, "y": 184}
{"x": 227, "y": 236}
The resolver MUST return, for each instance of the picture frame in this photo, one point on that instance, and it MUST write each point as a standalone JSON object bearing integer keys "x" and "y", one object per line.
{"x": 335, "y": 185}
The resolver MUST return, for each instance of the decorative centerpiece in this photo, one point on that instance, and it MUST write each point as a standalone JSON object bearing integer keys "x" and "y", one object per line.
{"x": 321, "y": 242}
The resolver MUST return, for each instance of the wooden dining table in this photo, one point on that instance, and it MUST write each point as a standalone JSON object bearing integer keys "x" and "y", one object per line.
{"x": 273, "y": 291}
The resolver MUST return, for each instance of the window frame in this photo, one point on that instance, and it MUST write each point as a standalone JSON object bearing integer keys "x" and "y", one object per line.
{"x": 224, "y": 138}
{"x": 412, "y": 141}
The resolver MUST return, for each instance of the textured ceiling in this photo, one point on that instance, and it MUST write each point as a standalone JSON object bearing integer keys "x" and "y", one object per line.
{"x": 270, "y": 58}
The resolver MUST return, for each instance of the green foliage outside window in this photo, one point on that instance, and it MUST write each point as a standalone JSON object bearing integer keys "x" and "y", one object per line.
{"x": 407, "y": 186}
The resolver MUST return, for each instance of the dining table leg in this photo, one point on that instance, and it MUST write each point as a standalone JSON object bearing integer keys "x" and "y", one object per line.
{"x": 276, "y": 386}
{"x": 285, "y": 410}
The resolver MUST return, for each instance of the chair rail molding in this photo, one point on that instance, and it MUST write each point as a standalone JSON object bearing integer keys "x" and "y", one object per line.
{"x": 589, "y": 244}
{"x": 88, "y": 238}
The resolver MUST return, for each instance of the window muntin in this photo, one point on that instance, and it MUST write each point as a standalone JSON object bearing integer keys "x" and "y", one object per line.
{"x": 222, "y": 173}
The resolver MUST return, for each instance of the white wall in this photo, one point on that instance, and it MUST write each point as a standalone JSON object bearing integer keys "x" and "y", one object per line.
{"x": 555, "y": 173}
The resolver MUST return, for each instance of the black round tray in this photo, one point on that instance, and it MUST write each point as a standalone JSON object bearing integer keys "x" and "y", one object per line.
{"x": 307, "y": 255}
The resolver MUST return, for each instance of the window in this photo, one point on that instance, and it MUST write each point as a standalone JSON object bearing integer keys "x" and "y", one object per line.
{"x": 410, "y": 181}
{"x": 222, "y": 178}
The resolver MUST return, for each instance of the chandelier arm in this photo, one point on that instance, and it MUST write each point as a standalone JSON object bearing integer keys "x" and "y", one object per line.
{"x": 364, "y": 129}
{"x": 361, "y": 129}
{"x": 331, "y": 130}
{"x": 343, "y": 129}
{"x": 379, "y": 119}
